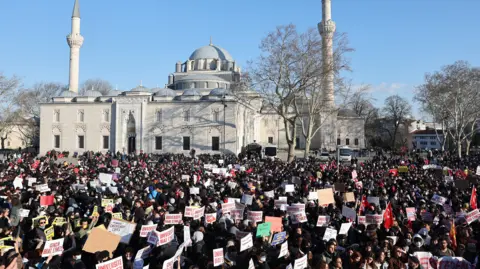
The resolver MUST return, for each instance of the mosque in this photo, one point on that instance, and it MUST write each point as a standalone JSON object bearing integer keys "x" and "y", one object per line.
{"x": 195, "y": 110}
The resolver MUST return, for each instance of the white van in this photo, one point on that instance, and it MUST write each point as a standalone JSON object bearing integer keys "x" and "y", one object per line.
{"x": 344, "y": 154}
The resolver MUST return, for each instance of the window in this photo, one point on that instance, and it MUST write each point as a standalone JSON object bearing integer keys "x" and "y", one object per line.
{"x": 57, "y": 115}
{"x": 347, "y": 141}
{"x": 433, "y": 137}
{"x": 423, "y": 143}
{"x": 106, "y": 139}
{"x": 215, "y": 143}
{"x": 106, "y": 116}
{"x": 56, "y": 141}
{"x": 81, "y": 116}
{"x": 433, "y": 143}
{"x": 8, "y": 143}
{"x": 338, "y": 141}
{"x": 186, "y": 143}
{"x": 356, "y": 141}
{"x": 270, "y": 140}
{"x": 159, "y": 116}
{"x": 81, "y": 141}
{"x": 158, "y": 142}
{"x": 215, "y": 116}
{"x": 186, "y": 115}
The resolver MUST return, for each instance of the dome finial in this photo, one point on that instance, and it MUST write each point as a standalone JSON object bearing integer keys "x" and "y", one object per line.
{"x": 211, "y": 44}
{"x": 141, "y": 83}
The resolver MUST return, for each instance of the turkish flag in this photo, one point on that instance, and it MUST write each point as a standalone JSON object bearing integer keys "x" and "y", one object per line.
{"x": 388, "y": 217}
{"x": 363, "y": 205}
{"x": 473, "y": 198}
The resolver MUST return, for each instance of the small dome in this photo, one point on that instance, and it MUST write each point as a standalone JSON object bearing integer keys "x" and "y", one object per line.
{"x": 68, "y": 93}
{"x": 140, "y": 88}
{"x": 191, "y": 92}
{"x": 165, "y": 93}
{"x": 92, "y": 93}
{"x": 211, "y": 52}
{"x": 346, "y": 113}
{"x": 219, "y": 92}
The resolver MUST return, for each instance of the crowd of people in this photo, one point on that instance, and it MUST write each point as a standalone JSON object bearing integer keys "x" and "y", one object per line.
{"x": 116, "y": 210}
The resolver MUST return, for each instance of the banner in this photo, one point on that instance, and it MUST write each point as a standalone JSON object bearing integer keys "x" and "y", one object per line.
{"x": 161, "y": 238}
{"x": 146, "y": 229}
{"x": 116, "y": 263}
{"x": 198, "y": 213}
{"x": 53, "y": 247}
{"x": 228, "y": 207}
{"x": 173, "y": 219}
{"x": 123, "y": 228}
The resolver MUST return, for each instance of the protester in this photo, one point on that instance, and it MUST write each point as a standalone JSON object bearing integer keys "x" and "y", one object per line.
{"x": 172, "y": 211}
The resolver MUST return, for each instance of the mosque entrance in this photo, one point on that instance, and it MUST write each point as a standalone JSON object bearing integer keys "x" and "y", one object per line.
{"x": 131, "y": 144}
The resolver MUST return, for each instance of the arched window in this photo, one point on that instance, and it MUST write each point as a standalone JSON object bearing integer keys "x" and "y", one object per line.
{"x": 192, "y": 65}
{"x": 158, "y": 116}
{"x": 338, "y": 141}
{"x": 186, "y": 115}
{"x": 81, "y": 116}
{"x": 215, "y": 117}
{"x": 106, "y": 116}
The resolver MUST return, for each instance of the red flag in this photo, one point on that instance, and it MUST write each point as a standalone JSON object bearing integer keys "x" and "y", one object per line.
{"x": 388, "y": 217}
{"x": 473, "y": 198}
{"x": 453, "y": 236}
{"x": 363, "y": 205}
{"x": 46, "y": 200}
{"x": 250, "y": 170}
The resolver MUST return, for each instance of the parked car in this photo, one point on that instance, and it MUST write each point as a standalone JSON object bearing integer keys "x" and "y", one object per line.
{"x": 324, "y": 156}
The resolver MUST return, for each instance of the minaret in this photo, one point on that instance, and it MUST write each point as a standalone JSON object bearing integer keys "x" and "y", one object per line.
{"x": 327, "y": 29}
{"x": 75, "y": 41}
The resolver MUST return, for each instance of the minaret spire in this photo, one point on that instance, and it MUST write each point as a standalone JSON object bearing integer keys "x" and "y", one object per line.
{"x": 75, "y": 42}
{"x": 327, "y": 29}
{"x": 76, "y": 10}
{"x": 211, "y": 44}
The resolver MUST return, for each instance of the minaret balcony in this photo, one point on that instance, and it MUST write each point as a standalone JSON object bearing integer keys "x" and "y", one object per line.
{"x": 327, "y": 27}
{"x": 75, "y": 40}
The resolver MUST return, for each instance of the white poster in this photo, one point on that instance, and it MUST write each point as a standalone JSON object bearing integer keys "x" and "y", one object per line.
{"x": 161, "y": 238}
{"x": 194, "y": 190}
{"x": 247, "y": 199}
{"x": 345, "y": 227}
{"x": 123, "y": 228}
{"x": 186, "y": 236}
{"x": 246, "y": 242}
{"x": 147, "y": 229}
{"x": 301, "y": 263}
{"x": 24, "y": 213}
{"x": 323, "y": 221}
{"x": 53, "y": 247}
{"x": 116, "y": 263}
{"x": 289, "y": 188}
{"x": 105, "y": 178}
{"x": 143, "y": 253}
{"x": 330, "y": 234}
{"x": 283, "y": 250}
{"x": 218, "y": 257}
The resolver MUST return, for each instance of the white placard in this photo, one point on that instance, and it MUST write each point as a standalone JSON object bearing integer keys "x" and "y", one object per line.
{"x": 283, "y": 250}
{"x": 246, "y": 242}
{"x": 18, "y": 183}
{"x": 31, "y": 180}
{"x": 24, "y": 213}
{"x": 349, "y": 213}
{"x": 269, "y": 194}
{"x": 116, "y": 263}
{"x": 323, "y": 221}
{"x": 289, "y": 188}
{"x": 53, "y": 247}
{"x": 105, "y": 178}
{"x": 345, "y": 227}
{"x": 42, "y": 188}
{"x": 301, "y": 263}
{"x": 143, "y": 253}
{"x": 437, "y": 199}
{"x": 312, "y": 196}
{"x": 330, "y": 234}
{"x": 123, "y": 228}
{"x": 247, "y": 199}
{"x": 186, "y": 236}
{"x": 218, "y": 257}
{"x": 373, "y": 200}
{"x": 161, "y": 238}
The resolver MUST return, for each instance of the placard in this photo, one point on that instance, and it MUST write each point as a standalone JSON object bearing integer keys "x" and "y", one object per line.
{"x": 246, "y": 242}
{"x": 345, "y": 227}
{"x": 198, "y": 213}
{"x": 373, "y": 200}
{"x": 105, "y": 178}
{"x": 24, "y": 213}
{"x": 403, "y": 169}
{"x": 349, "y": 197}
{"x": 263, "y": 229}
{"x": 299, "y": 217}
{"x": 247, "y": 199}
{"x": 143, "y": 253}
{"x": 189, "y": 210}
{"x": 289, "y": 188}
{"x": 173, "y": 218}
{"x": 100, "y": 240}
{"x": 237, "y": 214}
{"x": 323, "y": 221}
{"x": 437, "y": 199}
{"x": 312, "y": 196}
{"x": 49, "y": 233}
{"x": 42, "y": 188}
{"x": 269, "y": 194}
{"x": 411, "y": 213}
{"x": 105, "y": 202}
{"x": 301, "y": 263}
{"x": 122, "y": 228}
{"x": 161, "y": 238}
{"x": 349, "y": 213}
{"x": 276, "y": 223}
{"x": 278, "y": 238}
{"x": 472, "y": 216}
{"x": 330, "y": 234}
{"x": 210, "y": 218}
{"x": 325, "y": 196}
{"x": 53, "y": 248}
{"x": 283, "y": 250}
{"x": 194, "y": 190}
{"x": 255, "y": 216}
{"x": 218, "y": 257}
{"x": 374, "y": 219}
{"x": 116, "y": 263}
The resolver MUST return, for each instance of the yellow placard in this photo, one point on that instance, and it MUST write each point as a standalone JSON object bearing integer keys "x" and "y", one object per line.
{"x": 49, "y": 233}
{"x": 105, "y": 202}
{"x": 95, "y": 211}
{"x": 117, "y": 215}
{"x": 35, "y": 220}
{"x": 59, "y": 221}
{"x": 403, "y": 169}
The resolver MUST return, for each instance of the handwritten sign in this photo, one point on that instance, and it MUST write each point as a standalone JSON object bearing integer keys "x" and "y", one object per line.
{"x": 283, "y": 250}
{"x": 53, "y": 248}
{"x": 246, "y": 242}
{"x": 123, "y": 228}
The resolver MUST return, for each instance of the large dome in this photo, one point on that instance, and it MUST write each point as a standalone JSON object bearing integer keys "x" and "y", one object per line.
{"x": 211, "y": 52}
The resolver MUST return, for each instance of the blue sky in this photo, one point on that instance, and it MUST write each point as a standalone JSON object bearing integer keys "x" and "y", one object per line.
{"x": 396, "y": 41}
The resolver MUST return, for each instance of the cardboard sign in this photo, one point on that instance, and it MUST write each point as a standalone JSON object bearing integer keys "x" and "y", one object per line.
{"x": 146, "y": 229}
{"x": 301, "y": 263}
{"x": 116, "y": 263}
{"x": 198, "y": 213}
{"x": 349, "y": 197}
{"x": 283, "y": 250}
{"x": 278, "y": 238}
{"x": 173, "y": 219}
{"x": 246, "y": 242}
{"x": 189, "y": 210}
{"x": 122, "y": 228}
{"x": 323, "y": 221}
{"x": 276, "y": 223}
{"x": 374, "y": 219}
{"x": 53, "y": 247}
{"x": 255, "y": 216}
{"x": 218, "y": 257}
{"x": 263, "y": 229}
{"x": 312, "y": 196}
{"x": 325, "y": 196}
{"x": 161, "y": 238}
{"x": 100, "y": 240}
{"x": 42, "y": 188}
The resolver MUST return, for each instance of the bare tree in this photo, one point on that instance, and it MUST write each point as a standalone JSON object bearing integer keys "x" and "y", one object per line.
{"x": 29, "y": 100}
{"x": 8, "y": 89}
{"x": 396, "y": 110}
{"x": 97, "y": 84}
{"x": 453, "y": 95}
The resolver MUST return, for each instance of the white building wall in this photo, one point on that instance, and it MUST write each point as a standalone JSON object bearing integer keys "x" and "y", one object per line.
{"x": 428, "y": 141}
{"x": 351, "y": 129}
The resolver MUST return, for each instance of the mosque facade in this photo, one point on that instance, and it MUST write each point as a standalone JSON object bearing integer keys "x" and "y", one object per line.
{"x": 195, "y": 110}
